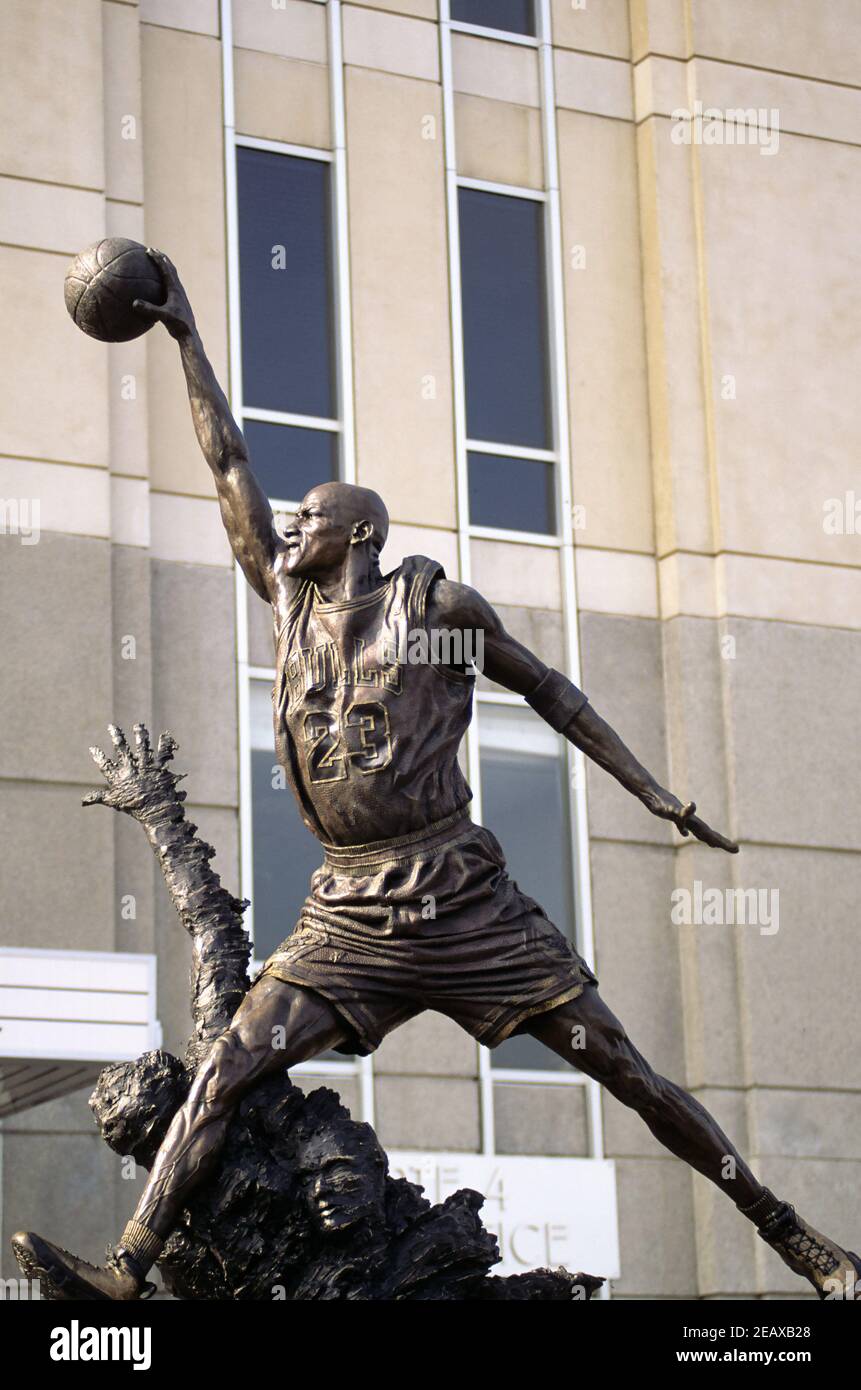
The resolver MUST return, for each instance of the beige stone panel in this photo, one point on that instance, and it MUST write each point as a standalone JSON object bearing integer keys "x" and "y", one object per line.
{"x": 613, "y": 581}
{"x": 708, "y": 954}
{"x": 56, "y": 604}
{"x": 420, "y": 540}
{"x": 124, "y": 219}
{"x": 130, "y": 511}
{"x": 399, "y": 265}
{"x": 802, "y": 973}
{"x": 131, "y": 695}
{"x": 592, "y": 28}
{"x": 430, "y": 1045}
{"x": 420, "y": 9}
{"x": 543, "y": 1120}
{"x": 726, "y": 1243}
{"x": 134, "y": 865}
{"x": 788, "y": 35}
{"x": 783, "y": 311}
{"x": 638, "y": 966}
{"x": 282, "y": 99}
{"x": 825, "y": 1194}
{"x": 696, "y": 653}
{"x": 62, "y": 1182}
{"x": 68, "y": 1114}
{"x": 51, "y": 94}
{"x": 606, "y": 337}
{"x": 184, "y": 174}
{"x": 54, "y": 377}
{"x": 660, "y": 88}
{"x": 623, "y": 677}
{"x": 424, "y": 1112}
{"x": 803, "y": 107}
{"x": 488, "y": 68}
{"x": 188, "y": 530}
{"x": 805, "y": 1124}
{"x": 122, "y": 102}
{"x": 656, "y": 1230}
{"x": 677, "y": 403}
{"x": 194, "y": 669}
{"x": 687, "y": 586}
{"x": 197, "y": 16}
{"x": 128, "y": 408}
{"x": 601, "y": 86}
{"x": 58, "y": 876}
{"x": 47, "y": 217}
{"x": 524, "y": 576}
{"x": 826, "y": 595}
{"x": 658, "y": 26}
{"x": 40, "y": 497}
{"x": 498, "y": 141}
{"x": 391, "y": 43}
{"x": 293, "y": 28}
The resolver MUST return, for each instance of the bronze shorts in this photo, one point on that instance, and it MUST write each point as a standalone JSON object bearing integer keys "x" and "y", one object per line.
{"x": 427, "y": 921}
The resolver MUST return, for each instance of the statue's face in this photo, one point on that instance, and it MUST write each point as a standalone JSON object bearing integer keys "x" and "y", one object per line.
{"x": 344, "y": 1180}
{"x": 320, "y": 535}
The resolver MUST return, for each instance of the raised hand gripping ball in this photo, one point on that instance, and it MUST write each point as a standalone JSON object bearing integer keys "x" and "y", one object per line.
{"x": 102, "y": 284}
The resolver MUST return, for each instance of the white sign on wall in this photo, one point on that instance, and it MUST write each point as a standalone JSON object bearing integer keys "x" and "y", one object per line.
{"x": 544, "y": 1212}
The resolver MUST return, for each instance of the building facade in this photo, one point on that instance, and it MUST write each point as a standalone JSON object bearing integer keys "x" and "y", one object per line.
{"x": 573, "y": 284}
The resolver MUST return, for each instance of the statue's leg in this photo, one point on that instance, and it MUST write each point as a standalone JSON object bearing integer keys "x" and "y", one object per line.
{"x": 587, "y": 1034}
{"x": 276, "y": 1026}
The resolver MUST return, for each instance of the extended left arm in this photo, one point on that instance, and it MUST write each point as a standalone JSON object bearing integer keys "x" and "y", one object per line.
{"x": 562, "y": 705}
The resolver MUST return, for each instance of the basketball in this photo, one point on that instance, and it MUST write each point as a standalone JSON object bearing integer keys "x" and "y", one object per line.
{"x": 102, "y": 284}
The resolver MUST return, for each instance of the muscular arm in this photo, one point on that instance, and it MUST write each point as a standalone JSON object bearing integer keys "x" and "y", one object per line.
{"x": 245, "y": 509}
{"x": 561, "y": 704}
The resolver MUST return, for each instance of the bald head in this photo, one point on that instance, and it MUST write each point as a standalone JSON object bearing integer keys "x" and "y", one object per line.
{"x": 349, "y": 504}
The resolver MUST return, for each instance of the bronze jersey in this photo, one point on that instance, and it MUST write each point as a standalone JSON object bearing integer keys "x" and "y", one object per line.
{"x": 368, "y": 740}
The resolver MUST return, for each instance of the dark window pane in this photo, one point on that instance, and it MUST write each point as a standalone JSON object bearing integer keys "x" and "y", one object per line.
{"x": 287, "y": 318}
{"x": 524, "y": 802}
{"x": 504, "y": 319}
{"x": 285, "y": 855}
{"x": 513, "y": 494}
{"x": 515, "y": 15}
{"x": 288, "y": 461}
{"x": 285, "y": 852}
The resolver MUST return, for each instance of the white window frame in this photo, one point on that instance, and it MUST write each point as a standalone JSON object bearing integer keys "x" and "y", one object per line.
{"x": 563, "y": 541}
{"x": 359, "y": 1069}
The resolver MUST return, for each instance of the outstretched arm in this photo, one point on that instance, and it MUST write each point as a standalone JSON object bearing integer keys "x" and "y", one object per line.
{"x": 141, "y": 783}
{"x": 562, "y": 705}
{"x": 245, "y": 509}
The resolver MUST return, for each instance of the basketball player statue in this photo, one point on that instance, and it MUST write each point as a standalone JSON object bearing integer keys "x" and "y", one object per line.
{"x": 369, "y": 744}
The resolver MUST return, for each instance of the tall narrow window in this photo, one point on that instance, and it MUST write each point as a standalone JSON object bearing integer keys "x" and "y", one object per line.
{"x": 285, "y": 852}
{"x": 516, "y": 16}
{"x": 287, "y": 320}
{"x": 506, "y": 362}
{"x": 525, "y": 803}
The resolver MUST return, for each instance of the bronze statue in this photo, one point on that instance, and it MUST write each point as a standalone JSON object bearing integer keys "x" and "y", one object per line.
{"x": 299, "y": 1204}
{"x": 369, "y": 744}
